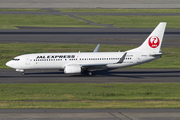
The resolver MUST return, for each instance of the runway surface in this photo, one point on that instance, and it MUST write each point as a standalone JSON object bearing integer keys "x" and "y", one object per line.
{"x": 56, "y": 12}
{"x": 10, "y": 76}
{"x": 89, "y": 4}
{"x": 113, "y": 36}
{"x": 90, "y": 114}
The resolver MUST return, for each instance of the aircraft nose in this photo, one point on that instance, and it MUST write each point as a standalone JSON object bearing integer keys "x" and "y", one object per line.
{"x": 9, "y": 64}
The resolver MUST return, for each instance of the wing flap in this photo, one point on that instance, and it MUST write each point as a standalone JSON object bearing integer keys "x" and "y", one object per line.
{"x": 94, "y": 65}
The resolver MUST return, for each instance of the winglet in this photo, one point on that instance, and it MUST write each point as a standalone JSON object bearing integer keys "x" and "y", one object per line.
{"x": 122, "y": 58}
{"x": 97, "y": 48}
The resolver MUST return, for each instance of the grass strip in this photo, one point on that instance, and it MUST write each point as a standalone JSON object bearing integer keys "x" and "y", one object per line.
{"x": 40, "y": 20}
{"x": 9, "y": 51}
{"x": 90, "y": 105}
{"x": 88, "y": 92}
{"x": 151, "y": 95}
{"x": 49, "y": 26}
{"x": 11, "y": 21}
{"x": 24, "y": 10}
{"x": 120, "y": 10}
{"x": 134, "y": 21}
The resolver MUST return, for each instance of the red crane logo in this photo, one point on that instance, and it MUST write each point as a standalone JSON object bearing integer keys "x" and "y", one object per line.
{"x": 153, "y": 41}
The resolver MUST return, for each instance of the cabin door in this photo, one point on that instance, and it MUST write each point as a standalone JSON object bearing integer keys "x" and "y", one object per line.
{"x": 27, "y": 59}
{"x": 138, "y": 58}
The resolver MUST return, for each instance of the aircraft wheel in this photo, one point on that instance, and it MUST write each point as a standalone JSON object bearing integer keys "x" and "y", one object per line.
{"x": 89, "y": 73}
{"x": 23, "y": 73}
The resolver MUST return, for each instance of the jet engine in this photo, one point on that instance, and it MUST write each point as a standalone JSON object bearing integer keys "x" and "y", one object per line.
{"x": 72, "y": 69}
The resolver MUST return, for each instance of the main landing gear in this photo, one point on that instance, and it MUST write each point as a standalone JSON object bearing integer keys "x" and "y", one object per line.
{"x": 87, "y": 72}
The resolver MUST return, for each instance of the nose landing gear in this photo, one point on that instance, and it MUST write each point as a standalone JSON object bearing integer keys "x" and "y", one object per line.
{"x": 23, "y": 73}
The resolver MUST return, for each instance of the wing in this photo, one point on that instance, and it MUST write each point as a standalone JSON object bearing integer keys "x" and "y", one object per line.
{"x": 93, "y": 66}
{"x": 103, "y": 64}
{"x": 76, "y": 68}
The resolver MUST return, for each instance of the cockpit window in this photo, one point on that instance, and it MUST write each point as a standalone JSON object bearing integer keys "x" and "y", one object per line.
{"x": 16, "y": 59}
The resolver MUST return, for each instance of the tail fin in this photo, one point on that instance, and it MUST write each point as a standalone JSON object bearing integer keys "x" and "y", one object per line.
{"x": 154, "y": 40}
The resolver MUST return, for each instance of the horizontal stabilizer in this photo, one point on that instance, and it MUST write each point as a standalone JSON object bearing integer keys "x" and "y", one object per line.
{"x": 159, "y": 54}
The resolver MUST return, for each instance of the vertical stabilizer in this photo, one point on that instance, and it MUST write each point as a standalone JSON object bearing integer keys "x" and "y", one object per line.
{"x": 154, "y": 40}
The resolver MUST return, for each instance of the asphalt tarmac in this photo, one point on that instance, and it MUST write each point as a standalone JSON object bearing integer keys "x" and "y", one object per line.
{"x": 58, "y": 12}
{"x": 90, "y": 114}
{"x": 89, "y": 4}
{"x": 113, "y": 36}
{"x": 126, "y": 75}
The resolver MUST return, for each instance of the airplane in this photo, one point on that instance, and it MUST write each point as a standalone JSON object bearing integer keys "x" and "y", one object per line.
{"x": 85, "y": 62}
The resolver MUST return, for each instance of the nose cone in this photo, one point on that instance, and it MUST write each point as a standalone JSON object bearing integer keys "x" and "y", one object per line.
{"x": 9, "y": 64}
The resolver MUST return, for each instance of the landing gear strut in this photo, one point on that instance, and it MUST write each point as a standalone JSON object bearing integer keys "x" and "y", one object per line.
{"x": 23, "y": 73}
{"x": 87, "y": 72}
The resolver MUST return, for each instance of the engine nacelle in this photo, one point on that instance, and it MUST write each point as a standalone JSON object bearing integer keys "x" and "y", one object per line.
{"x": 19, "y": 70}
{"x": 72, "y": 69}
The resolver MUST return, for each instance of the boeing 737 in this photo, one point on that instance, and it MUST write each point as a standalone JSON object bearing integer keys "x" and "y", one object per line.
{"x": 85, "y": 62}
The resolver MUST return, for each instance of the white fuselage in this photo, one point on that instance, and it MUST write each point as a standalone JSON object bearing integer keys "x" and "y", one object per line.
{"x": 60, "y": 60}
